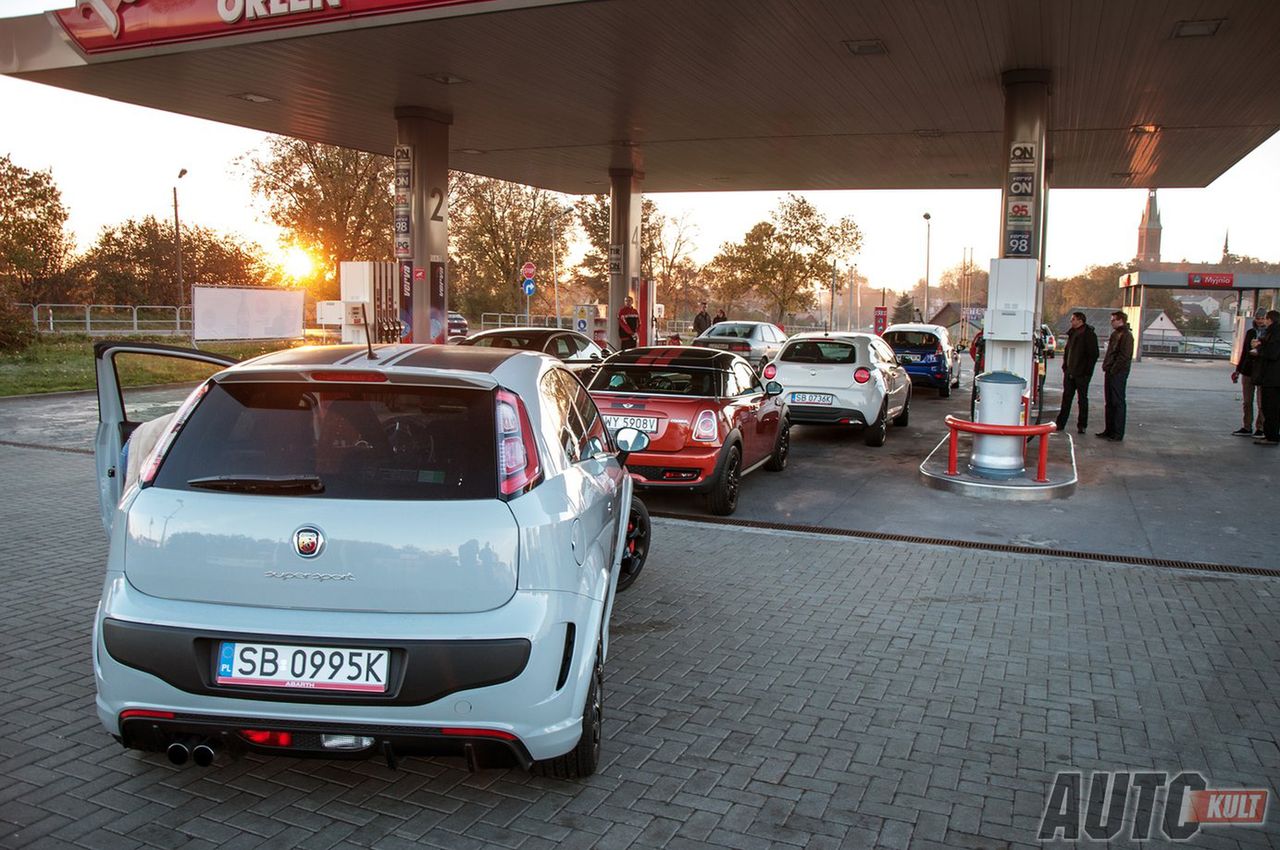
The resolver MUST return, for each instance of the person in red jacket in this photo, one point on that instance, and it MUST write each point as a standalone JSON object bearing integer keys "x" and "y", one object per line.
{"x": 628, "y": 324}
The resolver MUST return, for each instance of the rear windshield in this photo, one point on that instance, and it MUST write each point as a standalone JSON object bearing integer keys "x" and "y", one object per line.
{"x": 521, "y": 341}
{"x": 911, "y": 339}
{"x": 819, "y": 351}
{"x": 734, "y": 329}
{"x": 657, "y": 380}
{"x": 361, "y": 442}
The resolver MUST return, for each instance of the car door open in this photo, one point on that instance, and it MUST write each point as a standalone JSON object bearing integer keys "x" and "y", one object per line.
{"x": 160, "y": 378}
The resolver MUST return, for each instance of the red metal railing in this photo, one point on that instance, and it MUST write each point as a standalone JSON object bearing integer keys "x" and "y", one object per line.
{"x": 1041, "y": 431}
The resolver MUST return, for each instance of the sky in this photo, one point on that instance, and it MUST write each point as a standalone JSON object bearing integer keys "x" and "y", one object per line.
{"x": 113, "y": 161}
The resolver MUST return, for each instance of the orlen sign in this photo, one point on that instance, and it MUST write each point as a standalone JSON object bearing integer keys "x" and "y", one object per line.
{"x": 103, "y": 26}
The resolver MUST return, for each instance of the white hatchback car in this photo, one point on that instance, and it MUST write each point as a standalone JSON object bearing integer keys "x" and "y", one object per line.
{"x": 330, "y": 555}
{"x": 843, "y": 379}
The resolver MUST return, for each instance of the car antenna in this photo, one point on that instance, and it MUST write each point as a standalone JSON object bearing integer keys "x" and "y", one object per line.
{"x": 364, "y": 317}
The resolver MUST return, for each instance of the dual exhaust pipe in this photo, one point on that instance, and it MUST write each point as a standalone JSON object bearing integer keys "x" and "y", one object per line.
{"x": 193, "y": 749}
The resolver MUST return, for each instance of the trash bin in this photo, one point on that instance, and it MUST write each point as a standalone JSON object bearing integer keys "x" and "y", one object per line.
{"x": 999, "y": 403}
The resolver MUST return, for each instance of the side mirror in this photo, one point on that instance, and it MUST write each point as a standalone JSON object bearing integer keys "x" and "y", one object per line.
{"x": 630, "y": 440}
{"x": 772, "y": 389}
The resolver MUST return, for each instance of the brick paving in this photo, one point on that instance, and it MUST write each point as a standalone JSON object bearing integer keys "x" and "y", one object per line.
{"x": 764, "y": 690}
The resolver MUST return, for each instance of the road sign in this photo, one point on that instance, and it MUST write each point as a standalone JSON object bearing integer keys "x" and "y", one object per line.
{"x": 581, "y": 325}
{"x": 528, "y": 270}
{"x": 528, "y": 285}
{"x": 882, "y": 319}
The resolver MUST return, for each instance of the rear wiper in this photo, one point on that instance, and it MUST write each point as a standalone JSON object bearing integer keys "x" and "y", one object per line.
{"x": 260, "y": 483}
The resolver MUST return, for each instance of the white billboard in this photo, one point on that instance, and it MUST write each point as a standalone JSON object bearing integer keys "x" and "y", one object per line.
{"x": 235, "y": 312}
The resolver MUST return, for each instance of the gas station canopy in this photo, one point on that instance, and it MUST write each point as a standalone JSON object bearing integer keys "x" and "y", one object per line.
{"x": 707, "y": 95}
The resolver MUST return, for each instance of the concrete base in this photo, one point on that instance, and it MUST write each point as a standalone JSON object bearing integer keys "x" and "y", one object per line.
{"x": 1061, "y": 472}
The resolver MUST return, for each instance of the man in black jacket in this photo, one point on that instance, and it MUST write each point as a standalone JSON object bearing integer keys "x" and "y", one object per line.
{"x": 1115, "y": 375}
{"x": 1267, "y": 376}
{"x": 1078, "y": 359}
{"x": 1244, "y": 373}
{"x": 702, "y": 321}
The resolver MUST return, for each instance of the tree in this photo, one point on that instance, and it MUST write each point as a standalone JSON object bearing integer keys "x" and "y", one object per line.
{"x": 1096, "y": 286}
{"x": 791, "y": 256}
{"x": 904, "y": 310}
{"x": 335, "y": 202}
{"x": 593, "y": 217}
{"x": 495, "y": 227}
{"x": 672, "y": 265}
{"x": 34, "y": 244}
{"x": 135, "y": 263}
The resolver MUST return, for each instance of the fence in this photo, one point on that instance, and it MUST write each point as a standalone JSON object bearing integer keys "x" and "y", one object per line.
{"x": 1158, "y": 343}
{"x": 112, "y": 319}
{"x": 666, "y": 327}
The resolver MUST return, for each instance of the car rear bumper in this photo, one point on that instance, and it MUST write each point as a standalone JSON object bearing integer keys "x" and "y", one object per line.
{"x": 688, "y": 470}
{"x": 931, "y": 375}
{"x": 535, "y": 698}
{"x": 801, "y": 414}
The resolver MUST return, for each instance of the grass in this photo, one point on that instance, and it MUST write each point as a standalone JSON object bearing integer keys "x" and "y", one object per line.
{"x": 65, "y": 362}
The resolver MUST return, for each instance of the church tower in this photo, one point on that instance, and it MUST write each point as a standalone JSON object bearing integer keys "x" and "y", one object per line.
{"x": 1149, "y": 231}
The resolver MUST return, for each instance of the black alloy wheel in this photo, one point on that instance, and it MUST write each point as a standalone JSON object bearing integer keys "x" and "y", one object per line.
{"x": 723, "y": 500}
{"x": 782, "y": 449}
{"x": 635, "y": 546}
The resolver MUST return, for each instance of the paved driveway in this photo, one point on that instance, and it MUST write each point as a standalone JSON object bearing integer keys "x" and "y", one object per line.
{"x": 765, "y": 690}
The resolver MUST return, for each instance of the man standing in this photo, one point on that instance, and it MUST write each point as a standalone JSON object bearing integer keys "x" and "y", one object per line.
{"x": 628, "y": 324}
{"x": 1078, "y": 359}
{"x": 1245, "y": 373}
{"x": 1267, "y": 377}
{"x": 1115, "y": 374}
{"x": 702, "y": 321}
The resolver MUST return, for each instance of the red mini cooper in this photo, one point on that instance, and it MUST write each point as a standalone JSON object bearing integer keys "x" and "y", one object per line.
{"x": 709, "y": 419}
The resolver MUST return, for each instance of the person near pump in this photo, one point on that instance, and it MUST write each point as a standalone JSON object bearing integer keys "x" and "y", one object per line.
{"x": 719, "y": 317}
{"x": 1267, "y": 376}
{"x": 1115, "y": 376}
{"x": 1078, "y": 359}
{"x": 702, "y": 321}
{"x": 1245, "y": 374}
{"x": 628, "y": 324}
{"x": 978, "y": 351}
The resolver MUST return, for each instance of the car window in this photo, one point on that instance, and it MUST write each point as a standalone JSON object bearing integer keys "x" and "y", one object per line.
{"x": 560, "y": 346}
{"x": 595, "y": 436}
{"x": 748, "y": 381}
{"x": 523, "y": 341}
{"x": 153, "y": 384}
{"x": 886, "y": 353}
{"x": 740, "y": 330}
{"x": 657, "y": 380}
{"x": 588, "y": 350}
{"x": 560, "y": 396}
{"x": 819, "y": 351}
{"x": 911, "y": 339}
{"x": 362, "y": 442}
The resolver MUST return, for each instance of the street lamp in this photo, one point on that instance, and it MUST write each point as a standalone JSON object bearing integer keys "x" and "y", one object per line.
{"x": 928, "y": 233}
{"x": 177, "y": 241}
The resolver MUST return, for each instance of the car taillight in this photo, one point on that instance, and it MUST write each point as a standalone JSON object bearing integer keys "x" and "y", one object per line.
{"x": 162, "y": 445}
{"x": 739, "y": 346}
{"x": 862, "y": 374}
{"x": 704, "y": 429}
{"x": 938, "y": 349}
{"x": 770, "y": 371}
{"x": 518, "y": 467}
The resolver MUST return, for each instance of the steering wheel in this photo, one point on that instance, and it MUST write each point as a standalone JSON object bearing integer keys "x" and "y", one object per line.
{"x": 409, "y": 435}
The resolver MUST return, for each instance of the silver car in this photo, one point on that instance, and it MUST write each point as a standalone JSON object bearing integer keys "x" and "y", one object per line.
{"x": 759, "y": 342}
{"x": 323, "y": 554}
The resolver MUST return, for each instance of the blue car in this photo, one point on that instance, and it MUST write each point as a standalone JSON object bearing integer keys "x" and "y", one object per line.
{"x": 926, "y": 352}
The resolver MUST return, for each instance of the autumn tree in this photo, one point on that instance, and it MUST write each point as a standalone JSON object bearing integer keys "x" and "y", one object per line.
{"x": 495, "y": 227}
{"x": 672, "y": 264}
{"x": 34, "y": 244}
{"x": 1096, "y": 286}
{"x": 789, "y": 258}
{"x": 135, "y": 263}
{"x": 593, "y": 218}
{"x": 904, "y": 310}
{"x": 334, "y": 202}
